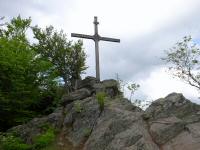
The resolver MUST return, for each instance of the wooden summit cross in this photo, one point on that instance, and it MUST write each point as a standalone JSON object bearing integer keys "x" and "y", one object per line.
{"x": 96, "y": 37}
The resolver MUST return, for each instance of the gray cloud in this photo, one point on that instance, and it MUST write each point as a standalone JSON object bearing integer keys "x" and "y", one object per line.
{"x": 134, "y": 58}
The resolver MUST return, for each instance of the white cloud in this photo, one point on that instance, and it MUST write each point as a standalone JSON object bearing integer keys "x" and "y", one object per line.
{"x": 160, "y": 84}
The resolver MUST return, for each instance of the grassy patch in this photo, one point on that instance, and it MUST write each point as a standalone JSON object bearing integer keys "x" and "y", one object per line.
{"x": 101, "y": 100}
{"x": 87, "y": 132}
{"x": 13, "y": 142}
{"x": 77, "y": 106}
{"x": 44, "y": 139}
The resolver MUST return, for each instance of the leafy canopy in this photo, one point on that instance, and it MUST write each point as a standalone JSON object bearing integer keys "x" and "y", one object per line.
{"x": 29, "y": 72}
{"x": 68, "y": 58}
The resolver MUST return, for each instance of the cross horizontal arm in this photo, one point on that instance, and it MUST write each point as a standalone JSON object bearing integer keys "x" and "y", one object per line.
{"x": 82, "y": 36}
{"x": 109, "y": 39}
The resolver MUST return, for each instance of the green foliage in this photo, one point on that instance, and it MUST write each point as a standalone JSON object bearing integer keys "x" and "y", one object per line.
{"x": 1, "y": 19}
{"x": 10, "y": 142}
{"x": 77, "y": 106}
{"x": 30, "y": 73}
{"x": 16, "y": 29}
{"x": 87, "y": 132}
{"x": 68, "y": 59}
{"x": 17, "y": 74}
{"x": 183, "y": 60}
{"x": 44, "y": 139}
{"x": 101, "y": 100}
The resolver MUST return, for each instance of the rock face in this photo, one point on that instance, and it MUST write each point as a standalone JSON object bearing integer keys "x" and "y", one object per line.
{"x": 170, "y": 123}
{"x": 174, "y": 123}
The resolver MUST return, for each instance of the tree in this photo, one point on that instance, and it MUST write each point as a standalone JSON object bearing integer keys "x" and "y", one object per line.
{"x": 16, "y": 77}
{"x": 184, "y": 61}
{"x": 29, "y": 72}
{"x": 24, "y": 78}
{"x": 68, "y": 58}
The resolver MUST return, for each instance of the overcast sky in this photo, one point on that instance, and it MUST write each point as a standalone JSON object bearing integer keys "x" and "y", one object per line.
{"x": 146, "y": 28}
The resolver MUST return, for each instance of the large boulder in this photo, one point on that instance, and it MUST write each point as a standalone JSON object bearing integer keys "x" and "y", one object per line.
{"x": 110, "y": 87}
{"x": 175, "y": 104}
{"x": 80, "y": 120}
{"x": 174, "y": 123}
{"x": 188, "y": 139}
{"x": 120, "y": 127}
{"x": 162, "y": 130}
{"x": 88, "y": 83}
{"x": 90, "y": 86}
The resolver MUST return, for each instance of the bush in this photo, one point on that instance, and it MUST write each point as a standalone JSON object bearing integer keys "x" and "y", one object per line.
{"x": 101, "y": 100}
{"x": 45, "y": 139}
{"x": 10, "y": 142}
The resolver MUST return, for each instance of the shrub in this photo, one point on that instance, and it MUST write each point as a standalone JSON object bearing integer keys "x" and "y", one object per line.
{"x": 101, "y": 100}
{"x": 44, "y": 139}
{"x": 10, "y": 142}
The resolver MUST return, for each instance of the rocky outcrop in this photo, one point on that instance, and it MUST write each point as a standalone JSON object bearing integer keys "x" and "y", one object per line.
{"x": 174, "y": 123}
{"x": 170, "y": 123}
{"x": 90, "y": 86}
{"x": 121, "y": 127}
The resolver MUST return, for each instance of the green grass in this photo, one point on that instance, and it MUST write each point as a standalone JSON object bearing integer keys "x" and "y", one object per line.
{"x": 77, "y": 106}
{"x": 45, "y": 139}
{"x": 101, "y": 100}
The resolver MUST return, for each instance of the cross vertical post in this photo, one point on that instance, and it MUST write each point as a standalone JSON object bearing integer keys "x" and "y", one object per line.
{"x": 96, "y": 39}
